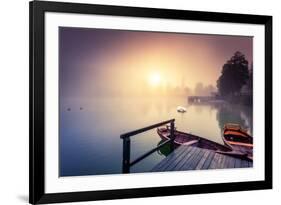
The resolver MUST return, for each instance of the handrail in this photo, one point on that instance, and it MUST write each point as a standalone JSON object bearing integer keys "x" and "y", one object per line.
{"x": 126, "y": 164}
{"x": 149, "y": 152}
{"x": 135, "y": 132}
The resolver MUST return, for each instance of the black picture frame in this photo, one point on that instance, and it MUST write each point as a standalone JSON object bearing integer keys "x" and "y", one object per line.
{"x": 37, "y": 9}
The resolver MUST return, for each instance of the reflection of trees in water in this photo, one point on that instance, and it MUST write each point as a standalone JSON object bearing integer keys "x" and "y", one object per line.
{"x": 247, "y": 115}
{"x": 235, "y": 114}
{"x": 206, "y": 107}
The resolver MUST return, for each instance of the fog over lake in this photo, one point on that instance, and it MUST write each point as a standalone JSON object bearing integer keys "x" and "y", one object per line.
{"x": 115, "y": 81}
{"x": 90, "y": 138}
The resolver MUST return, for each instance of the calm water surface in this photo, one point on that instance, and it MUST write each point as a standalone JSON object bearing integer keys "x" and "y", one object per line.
{"x": 90, "y": 131}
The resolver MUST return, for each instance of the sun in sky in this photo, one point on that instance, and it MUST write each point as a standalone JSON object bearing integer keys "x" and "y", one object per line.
{"x": 154, "y": 79}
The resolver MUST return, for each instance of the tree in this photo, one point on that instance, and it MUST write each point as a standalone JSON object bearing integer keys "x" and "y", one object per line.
{"x": 250, "y": 81}
{"x": 234, "y": 75}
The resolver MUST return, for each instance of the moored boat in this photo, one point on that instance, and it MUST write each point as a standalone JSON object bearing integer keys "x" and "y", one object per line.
{"x": 182, "y": 138}
{"x": 238, "y": 139}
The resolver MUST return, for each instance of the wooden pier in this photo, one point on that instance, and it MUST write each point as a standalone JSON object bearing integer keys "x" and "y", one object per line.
{"x": 194, "y": 158}
{"x": 184, "y": 157}
{"x": 200, "y": 99}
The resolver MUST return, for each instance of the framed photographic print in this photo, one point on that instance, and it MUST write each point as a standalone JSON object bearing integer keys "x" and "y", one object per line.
{"x": 140, "y": 102}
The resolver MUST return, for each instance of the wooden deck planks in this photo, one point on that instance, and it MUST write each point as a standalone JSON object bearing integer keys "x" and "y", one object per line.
{"x": 191, "y": 158}
{"x": 214, "y": 163}
{"x": 188, "y": 160}
{"x": 203, "y": 160}
{"x": 185, "y": 158}
{"x": 208, "y": 160}
{"x": 231, "y": 162}
{"x": 175, "y": 162}
{"x": 193, "y": 161}
{"x": 166, "y": 161}
{"x": 228, "y": 163}
{"x": 223, "y": 162}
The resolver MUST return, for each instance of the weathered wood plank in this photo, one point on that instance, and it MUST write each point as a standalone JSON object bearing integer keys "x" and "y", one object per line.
{"x": 172, "y": 162}
{"x": 222, "y": 164}
{"x": 219, "y": 163}
{"x": 203, "y": 160}
{"x": 168, "y": 159}
{"x": 214, "y": 162}
{"x": 171, "y": 166}
{"x": 190, "y": 158}
{"x": 227, "y": 161}
{"x": 250, "y": 164}
{"x": 237, "y": 163}
{"x": 186, "y": 157}
{"x": 244, "y": 163}
{"x": 208, "y": 160}
{"x": 231, "y": 162}
{"x": 196, "y": 160}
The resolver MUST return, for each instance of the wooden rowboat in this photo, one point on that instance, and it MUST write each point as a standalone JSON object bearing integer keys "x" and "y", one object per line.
{"x": 238, "y": 139}
{"x": 182, "y": 138}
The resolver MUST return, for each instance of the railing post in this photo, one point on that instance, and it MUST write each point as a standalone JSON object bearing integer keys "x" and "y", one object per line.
{"x": 126, "y": 155}
{"x": 126, "y": 162}
{"x": 172, "y": 135}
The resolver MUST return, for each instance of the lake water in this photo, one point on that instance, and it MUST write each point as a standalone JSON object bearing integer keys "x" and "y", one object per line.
{"x": 90, "y": 131}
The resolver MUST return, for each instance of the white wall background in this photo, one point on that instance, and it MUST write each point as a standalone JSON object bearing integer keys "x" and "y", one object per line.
{"x": 14, "y": 100}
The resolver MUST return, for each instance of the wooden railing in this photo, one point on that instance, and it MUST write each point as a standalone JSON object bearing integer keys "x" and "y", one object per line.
{"x": 126, "y": 164}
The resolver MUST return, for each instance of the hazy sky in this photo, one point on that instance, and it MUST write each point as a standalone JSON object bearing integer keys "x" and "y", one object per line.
{"x": 95, "y": 61}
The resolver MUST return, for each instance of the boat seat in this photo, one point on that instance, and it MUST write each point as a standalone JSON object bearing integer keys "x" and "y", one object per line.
{"x": 191, "y": 142}
{"x": 228, "y": 132}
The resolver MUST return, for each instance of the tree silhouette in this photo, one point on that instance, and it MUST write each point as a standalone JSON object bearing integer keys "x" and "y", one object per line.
{"x": 234, "y": 75}
{"x": 250, "y": 81}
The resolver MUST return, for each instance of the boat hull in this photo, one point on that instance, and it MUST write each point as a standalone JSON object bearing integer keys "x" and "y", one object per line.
{"x": 238, "y": 139}
{"x": 182, "y": 138}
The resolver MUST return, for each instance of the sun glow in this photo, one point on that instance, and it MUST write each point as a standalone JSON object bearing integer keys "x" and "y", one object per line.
{"x": 155, "y": 79}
